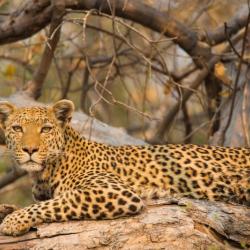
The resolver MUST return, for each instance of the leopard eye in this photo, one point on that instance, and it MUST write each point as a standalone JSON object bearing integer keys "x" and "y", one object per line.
{"x": 46, "y": 129}
{"x": 17, "y": 128}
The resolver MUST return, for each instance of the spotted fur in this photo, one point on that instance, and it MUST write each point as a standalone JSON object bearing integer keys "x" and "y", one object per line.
{"x": 74, "y": 178}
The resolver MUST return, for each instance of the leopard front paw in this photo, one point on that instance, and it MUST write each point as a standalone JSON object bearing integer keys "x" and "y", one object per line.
{"x": 15, "y": 224}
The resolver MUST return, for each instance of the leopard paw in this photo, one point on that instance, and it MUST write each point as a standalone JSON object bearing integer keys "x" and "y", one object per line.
{"x": 14, "y": 225}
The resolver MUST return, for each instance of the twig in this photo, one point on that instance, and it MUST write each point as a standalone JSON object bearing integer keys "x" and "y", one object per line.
{"x": 85, "y": 88}
{"x": 187, "y": 123}
{"x": 59, "y": 74}
{"x": 71, "y": 72}
{"x": 236, "y": 81}
{"x": 232, "y": 46}
{"x": 103, "y": 86}
{"x": 168, "y": 119}
{"x": 84, "y": 24}
{"x": 244, "y": 114}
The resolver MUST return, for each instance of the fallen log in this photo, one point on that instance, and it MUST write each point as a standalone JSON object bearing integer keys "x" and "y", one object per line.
{"x": 164, "y": 224}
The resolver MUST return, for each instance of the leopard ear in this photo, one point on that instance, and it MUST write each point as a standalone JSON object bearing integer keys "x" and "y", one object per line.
{"x": 63, "y": 110}
{"x": 6, "y": 109}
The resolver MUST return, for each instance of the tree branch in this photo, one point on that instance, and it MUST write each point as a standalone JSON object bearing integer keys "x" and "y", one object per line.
{"x": 33, "y": 88}
{"x": 173, "y": 224}
{"x": 34, "y": 16}
{"x": 169, "y": 117}
{"x": 237, "y": 79}
{"x": 237, "y": 22}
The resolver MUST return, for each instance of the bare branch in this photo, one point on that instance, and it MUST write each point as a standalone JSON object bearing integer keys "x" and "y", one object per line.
{"x": 222, "y": 139}
{"x": 168, "y": 119}
{"x": 245, "y": 115}
{"x": 187, "y": 124}
{"x": 71, "y": 72}
{"x": 237, "y": 22}
{"x": 33, "y": 88}
{"x": 233, "y": 47}
{"x": 33, "y": 17}
{"x": 84, "y": 89}
{"x": 25, "y": 21}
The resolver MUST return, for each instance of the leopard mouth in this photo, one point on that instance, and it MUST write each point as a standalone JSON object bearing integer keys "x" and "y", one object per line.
{"x": 32, "y": 166}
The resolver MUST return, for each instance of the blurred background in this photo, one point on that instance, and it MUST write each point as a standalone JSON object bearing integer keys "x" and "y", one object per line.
{"x": 124, "y": 74}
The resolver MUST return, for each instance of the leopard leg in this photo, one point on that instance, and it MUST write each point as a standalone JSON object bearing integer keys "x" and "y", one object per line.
{"x": 92, "y": 202}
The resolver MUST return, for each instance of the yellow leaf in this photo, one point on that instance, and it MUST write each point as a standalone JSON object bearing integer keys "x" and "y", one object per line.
{"x": 225, "y": 93}
{"x": 9, "y": 71}
{"x": 36, "y": 49}
{"x": 221, "y": 73}
{"x": 219, "y": 69}
{"x": 41, "y": 38}
{"x": 151, "y": 95}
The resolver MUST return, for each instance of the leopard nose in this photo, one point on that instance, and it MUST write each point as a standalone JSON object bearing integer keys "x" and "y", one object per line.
{"x": 30, "y": 150}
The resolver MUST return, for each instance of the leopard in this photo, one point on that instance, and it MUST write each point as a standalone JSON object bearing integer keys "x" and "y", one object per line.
{"x": 75, "y": 178}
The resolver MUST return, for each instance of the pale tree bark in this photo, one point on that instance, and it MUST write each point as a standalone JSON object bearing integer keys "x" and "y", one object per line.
{"x": 184, "y": 224}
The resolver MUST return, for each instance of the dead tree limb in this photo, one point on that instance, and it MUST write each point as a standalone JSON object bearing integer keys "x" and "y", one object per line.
{"x": 35, "y": 15}
{"x": 34, "y": 87}
{"x": 236, "y": 23}
{"x": 185, "y": 224}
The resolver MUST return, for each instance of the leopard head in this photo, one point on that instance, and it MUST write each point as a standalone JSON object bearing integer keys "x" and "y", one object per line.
{"x": 35, "y": 135}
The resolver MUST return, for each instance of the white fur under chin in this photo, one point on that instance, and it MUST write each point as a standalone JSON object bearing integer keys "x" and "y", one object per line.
{"x": 31, "y": 166}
